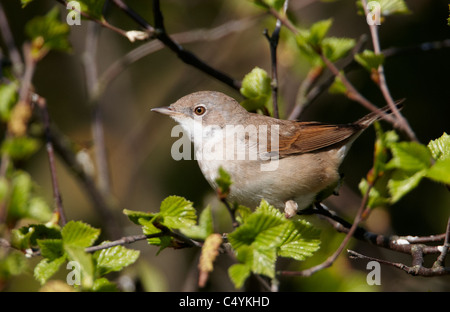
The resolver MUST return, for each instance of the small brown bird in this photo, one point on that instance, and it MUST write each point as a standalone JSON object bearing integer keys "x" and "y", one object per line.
{"x": 287, "y": 163}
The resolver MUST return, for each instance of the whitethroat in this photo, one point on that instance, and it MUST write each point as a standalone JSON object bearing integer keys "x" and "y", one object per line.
{"x": 287, "y": 163}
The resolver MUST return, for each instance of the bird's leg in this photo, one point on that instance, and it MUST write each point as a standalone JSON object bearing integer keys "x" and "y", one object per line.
{"x": 290, "y": 209}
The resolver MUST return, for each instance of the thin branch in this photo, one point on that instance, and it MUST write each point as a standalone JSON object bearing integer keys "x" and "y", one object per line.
{"x": 90, "y": 67}
{"x": 8, "y": 38}
{"x": 382, "y": 83}
{"x": 102, "y": 23}
{"x": 59, "y": 211}
{"x": 273, "y": 43}
{"x": 414, "y": 270}
{"x": 445, "y": 248}
{"x": 147, "y": 48}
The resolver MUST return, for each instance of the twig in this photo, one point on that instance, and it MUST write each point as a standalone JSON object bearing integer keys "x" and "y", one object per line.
{"x": 90, "y": 67}
{"x": 273, "y": 42}
{"x": 123, "y": 241}
{"x": 186, "y": 56}
{"x": 59, "y": 211}
{"x": 152, "y": 46}
{"x": 14, "y": 53}
{"x": 381, "y": 81}
{"x": 445, "y": 247}
{"x": 102, "y": 204}
{"x": 414, "y": 270}
{"x": 102, "y": 23}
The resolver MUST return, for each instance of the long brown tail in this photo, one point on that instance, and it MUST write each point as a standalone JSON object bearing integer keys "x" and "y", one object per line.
{"x": 371, "y": 117}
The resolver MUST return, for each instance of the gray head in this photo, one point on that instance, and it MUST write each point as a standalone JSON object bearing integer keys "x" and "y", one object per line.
{"x": 209, "y": 107}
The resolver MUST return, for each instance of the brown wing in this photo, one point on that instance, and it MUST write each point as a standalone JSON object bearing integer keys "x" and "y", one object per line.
{"x": 312, "y": 136}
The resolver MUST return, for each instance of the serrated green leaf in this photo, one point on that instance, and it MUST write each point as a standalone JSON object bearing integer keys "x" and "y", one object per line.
{"x": 409, "y": 156}
{"x": 318, "y": 31}
{"x": 440, "y": 148}
{"x": 14, "y": 263}
{"x": 204, "y": 227}
{"x": 27, "y": 236}
{"x": 440, "y": 171}
{"x": 51, "y": 248}
{"x": 178, "y": 212}
{"x": 300, "y": 240}
{"x": 79, "y": 234}
{"x": 378, "y": 194}
{"x": 238, "y": 274}
{"x": 114, "y": 259}
{"x": 8, "y": 97}
{"x": 336, "y": 48}
{"x": 135, "y": 216}
{"x": 402, "y": 183}
{"x": 47, "y": 268}
{"x": 85, "y": 262}
{"x": 369, "y": 60}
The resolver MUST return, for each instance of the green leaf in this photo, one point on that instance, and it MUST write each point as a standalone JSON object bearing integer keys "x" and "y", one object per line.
{"x": 300, "y": 240}
{"x": 93, "y": 8}
{"x": 114, "y": 259}
{"x": 336, "y": 48}
{"x": 318, "y": 31}
{"x": 79, "y": 234}
{"x": 20, "y": 147}
{"x": 178, "y": 212}
{"x": 48, "y": 33}
{"x": 256, "y": 88}
{"x": 8, "y": 97}
{"x": 21, "y": 191}
{"x": 51, "y": 248}
{"x": 204, "y": 227}
{"x": 265, "y": 234}
{"x": 440, "y": 148}
{"x": 276, "y": 4}
{"x": 223, "y": 182}
{"x": 338, "y": 87}
{"x": 47, "y": 268}
{"x": 387, "y": 7}
{"x": 402, "y": 183}
{"x": 137, "y": 216}
{"x": 440, "y": 171}
{"x": 25, "y": 2}
{"x": 410, "y": 156}
{"x": 239, "y": 273}
{"x": 369, "y": 60}
{"x": 39, "y": 210}
{"x": 85, "y": 262}
{"x": 27, "y": 236}
{"x": 104, "y": 285}
{"x": 378, "y": 194}
{"x": 382, "y": 144}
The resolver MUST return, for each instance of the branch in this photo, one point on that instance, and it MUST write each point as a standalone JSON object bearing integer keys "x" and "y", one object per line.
{"x": 413, "y": 270}
{"x": 8, "y": 38}
{"x": 273, "y": 42}
{"x": 42, "y": 104}
{"x": 381, "y": 81}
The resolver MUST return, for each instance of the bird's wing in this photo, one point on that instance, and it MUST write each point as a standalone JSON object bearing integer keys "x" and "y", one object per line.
{"x": 313, "y": 136}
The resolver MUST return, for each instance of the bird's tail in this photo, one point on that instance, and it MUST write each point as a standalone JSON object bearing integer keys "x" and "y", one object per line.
{"x": 371, "y": 117}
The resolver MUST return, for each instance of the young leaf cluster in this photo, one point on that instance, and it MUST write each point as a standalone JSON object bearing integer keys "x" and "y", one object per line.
{"x": 400, "y": 166}
{"x": 58, "y": 246}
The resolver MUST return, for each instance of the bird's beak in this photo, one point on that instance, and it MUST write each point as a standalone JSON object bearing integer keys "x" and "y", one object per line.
{"x": 166, "y": 110}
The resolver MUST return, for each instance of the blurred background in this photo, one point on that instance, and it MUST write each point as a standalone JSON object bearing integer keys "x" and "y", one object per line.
{"x": 139, "y": 142}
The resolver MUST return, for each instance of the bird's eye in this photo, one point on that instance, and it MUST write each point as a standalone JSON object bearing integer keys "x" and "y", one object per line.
{"x": 200, "y": 110}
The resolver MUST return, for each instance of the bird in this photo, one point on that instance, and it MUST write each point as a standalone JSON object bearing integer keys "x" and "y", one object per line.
{"x": 288, "y": 163}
